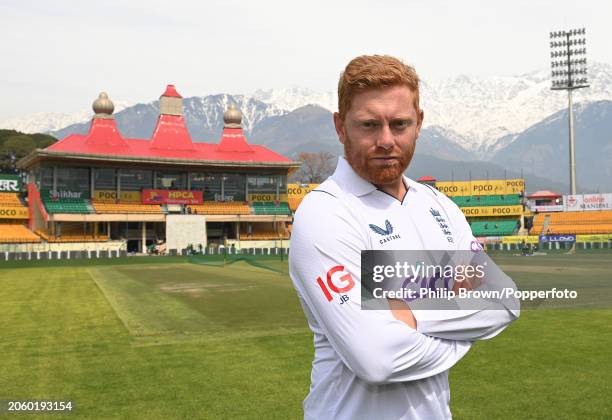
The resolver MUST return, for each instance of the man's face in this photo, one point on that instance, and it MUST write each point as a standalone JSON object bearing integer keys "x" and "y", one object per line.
{"x": 379, "y": 133}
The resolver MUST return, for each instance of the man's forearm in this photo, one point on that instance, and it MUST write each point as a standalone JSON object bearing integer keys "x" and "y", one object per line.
{"x": 402, "y": 312}
{"x": 468, "y": 325}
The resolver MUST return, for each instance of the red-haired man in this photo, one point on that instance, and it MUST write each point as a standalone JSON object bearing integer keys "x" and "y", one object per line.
{"x": 378, "y": 364}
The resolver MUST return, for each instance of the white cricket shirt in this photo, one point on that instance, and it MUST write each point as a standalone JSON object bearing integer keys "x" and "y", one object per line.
{"x": 367, "y": 364}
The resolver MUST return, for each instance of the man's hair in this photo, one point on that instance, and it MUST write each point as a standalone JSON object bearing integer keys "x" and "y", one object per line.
{"x": 374, "y": 72}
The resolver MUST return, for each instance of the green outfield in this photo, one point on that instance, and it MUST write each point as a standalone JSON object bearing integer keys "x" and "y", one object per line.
{"x": 161, "y": 338}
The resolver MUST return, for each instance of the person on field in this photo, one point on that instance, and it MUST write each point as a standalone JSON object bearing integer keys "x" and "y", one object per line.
{"x": 378, "y": 364}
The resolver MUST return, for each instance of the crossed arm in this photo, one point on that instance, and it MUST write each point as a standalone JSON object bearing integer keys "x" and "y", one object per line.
{"x": 378, "y": 346}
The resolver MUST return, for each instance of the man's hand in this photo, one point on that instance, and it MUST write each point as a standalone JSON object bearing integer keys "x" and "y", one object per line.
{"x": 402, "y": 312}
{"x": 470, "y": 282}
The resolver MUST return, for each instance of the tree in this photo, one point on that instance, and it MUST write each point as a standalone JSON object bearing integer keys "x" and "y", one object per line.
{"x": 315, "y": 167}
{"x": 43, "y": 140}
{"x": 14, "y": 148}
{"x": 15, "y": 145}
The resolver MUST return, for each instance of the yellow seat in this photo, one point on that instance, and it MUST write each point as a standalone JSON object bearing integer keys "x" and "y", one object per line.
{"x": 264, "y": 235}
{"x": 102, "y": 207}
{"x": 14, "y": 233}
{"x": 220, "y": 208}
{"x": 574, "y": 222}
{"x": 70, "y": 233}
{"x": 10, "y": 199}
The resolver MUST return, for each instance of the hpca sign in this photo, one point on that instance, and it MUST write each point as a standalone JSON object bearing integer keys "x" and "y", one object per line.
{"x": 172, "y": 197}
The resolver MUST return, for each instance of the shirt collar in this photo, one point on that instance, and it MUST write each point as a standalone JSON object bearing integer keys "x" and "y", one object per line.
{"x": 350, "y": 181}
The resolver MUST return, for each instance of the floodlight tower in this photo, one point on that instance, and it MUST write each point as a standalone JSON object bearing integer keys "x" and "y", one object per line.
{"x": 569, "y": 72}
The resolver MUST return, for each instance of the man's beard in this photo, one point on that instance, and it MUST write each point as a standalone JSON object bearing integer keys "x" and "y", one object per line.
{"x": 377, "y": 175}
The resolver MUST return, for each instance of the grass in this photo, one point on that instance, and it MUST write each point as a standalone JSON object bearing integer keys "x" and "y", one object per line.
{"x": 161, "y": 338}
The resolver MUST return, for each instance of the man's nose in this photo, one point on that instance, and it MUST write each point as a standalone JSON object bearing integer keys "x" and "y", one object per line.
{"x": 385, "y": 139}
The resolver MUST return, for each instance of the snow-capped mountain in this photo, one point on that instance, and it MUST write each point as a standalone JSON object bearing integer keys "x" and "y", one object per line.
{"x": 534, "y": 151}
{"x": 480, "y": 114}
{"x": 46, "y": 122}
{"x": 208, "y": 110}
{"x": 543, "y": 147}
{"x": 296, "y": 97}
{"x": 203, "y": 117}
{"x": 476, "y": 112}
{"x": 483, "y": 110}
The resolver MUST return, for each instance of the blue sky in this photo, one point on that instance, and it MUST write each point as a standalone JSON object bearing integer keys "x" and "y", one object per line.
{"x": 56, "y": 56}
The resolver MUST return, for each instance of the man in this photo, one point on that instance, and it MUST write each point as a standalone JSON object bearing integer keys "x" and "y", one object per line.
{"x": 378, "y": 364}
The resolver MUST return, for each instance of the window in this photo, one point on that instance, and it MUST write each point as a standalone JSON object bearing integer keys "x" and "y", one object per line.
{"x": 233, "y": 187}
{"x": 171, "y": 180}
{"x": 262, "y": 184}
{"x": 135, "y": 179}
{"x": 73, "y": 179}
{"x": 282, "y": 184}
{"x": 46, "y": 178}
{"x": 210, "y": 183}
{"x": 104, "y": 179}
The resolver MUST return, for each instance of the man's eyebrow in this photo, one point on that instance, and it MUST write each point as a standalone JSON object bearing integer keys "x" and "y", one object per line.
{"x": 374, "y": 114}
{"x": 362, "y": 118}
{"x": 363, "y": 115}
{"x": 370, "y": 119}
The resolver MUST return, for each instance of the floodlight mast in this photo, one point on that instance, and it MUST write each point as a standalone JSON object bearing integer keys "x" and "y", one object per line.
{"x": 569, "y": 73}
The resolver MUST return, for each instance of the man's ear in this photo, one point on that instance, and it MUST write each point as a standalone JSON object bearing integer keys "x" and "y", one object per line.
{"x": 420, "y": 122}
{"x": 339, "y": 124}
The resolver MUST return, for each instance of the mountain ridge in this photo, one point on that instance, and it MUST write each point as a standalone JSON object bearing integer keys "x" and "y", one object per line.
{"x": 310, "y": 129}
{"x": 475, "y": 112}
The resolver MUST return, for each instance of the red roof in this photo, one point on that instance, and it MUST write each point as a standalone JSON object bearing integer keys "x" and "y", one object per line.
{"x": 544, "y": 194}
{"x": 171, "y": 91}
{"x": 426, "y": 178}
{"x": 104, "y": 134}
{"x": 233, "y": 140}
{"x": 171, "y": 134}
{"x": 170, "y": 140}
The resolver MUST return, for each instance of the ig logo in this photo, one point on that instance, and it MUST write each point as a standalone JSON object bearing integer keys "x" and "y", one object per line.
{"x": 338, "y": 281}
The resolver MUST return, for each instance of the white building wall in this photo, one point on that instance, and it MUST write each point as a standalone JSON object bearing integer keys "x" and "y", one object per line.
{"x": 183, "y": 230}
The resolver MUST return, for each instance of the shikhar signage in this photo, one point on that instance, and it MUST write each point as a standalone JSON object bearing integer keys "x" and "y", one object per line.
{"x": 10, "y": 183}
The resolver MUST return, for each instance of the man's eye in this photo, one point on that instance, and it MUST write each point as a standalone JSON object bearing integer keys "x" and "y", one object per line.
{"x": 369, "y": 124}
{"x": 400, "y": 124}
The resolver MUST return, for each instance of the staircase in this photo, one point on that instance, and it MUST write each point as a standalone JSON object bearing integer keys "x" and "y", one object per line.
{"x": 546, "y": 223}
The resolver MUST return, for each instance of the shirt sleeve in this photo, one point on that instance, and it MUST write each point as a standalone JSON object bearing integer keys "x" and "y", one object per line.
{"x": 324, "y": 264}
{"x": 490, "y": 319}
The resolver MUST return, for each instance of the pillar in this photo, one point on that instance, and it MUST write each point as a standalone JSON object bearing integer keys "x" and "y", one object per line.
{"x": 143, "y": 227}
